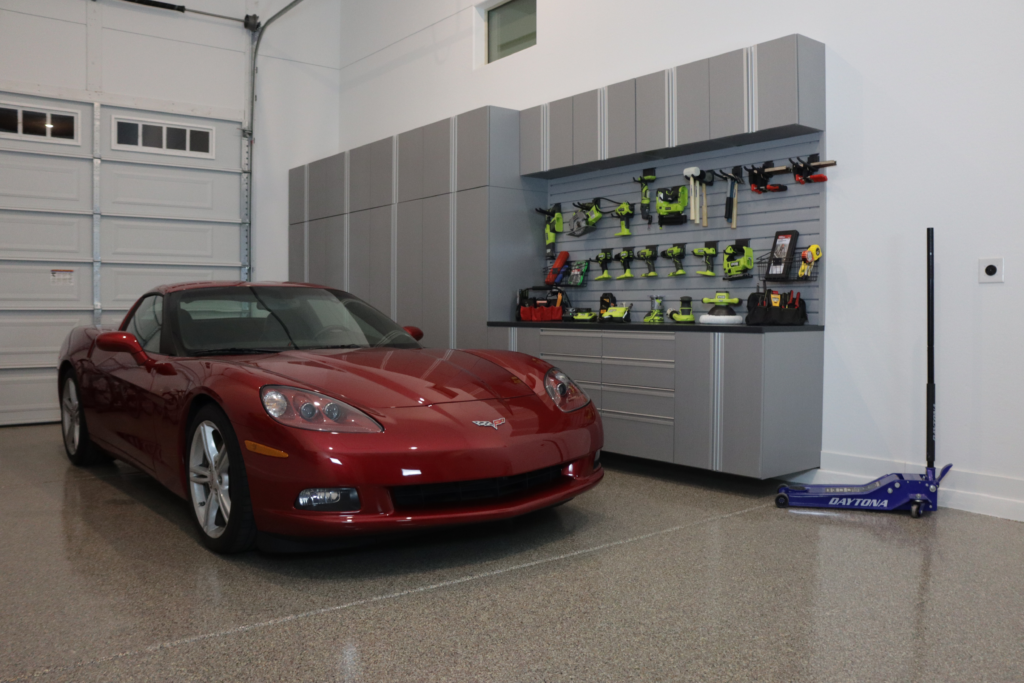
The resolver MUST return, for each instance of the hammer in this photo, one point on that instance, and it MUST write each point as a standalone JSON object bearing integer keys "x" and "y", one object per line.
{"x": 691, "y": 174}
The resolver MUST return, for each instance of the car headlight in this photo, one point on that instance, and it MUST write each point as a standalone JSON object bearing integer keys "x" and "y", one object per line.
{"x": 564, "y": 392}
{"x": 309, "y": 410}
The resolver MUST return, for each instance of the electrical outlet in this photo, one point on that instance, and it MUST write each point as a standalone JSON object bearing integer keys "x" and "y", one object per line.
{"x": 990, "y": 270}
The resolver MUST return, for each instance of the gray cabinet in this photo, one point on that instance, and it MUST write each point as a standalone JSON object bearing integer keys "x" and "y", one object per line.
{"x": 693, "y": 103}
{"x": 316, "y": 258}
{"x": 334, "y": 252}
{"x": 651, "y": 124}
{"x": 621, "y": 119}
{"x": 409, "y": 269}
{"x": 532, "y": 140}
{"x": 728, "y": 94}
{"x": 425, "y": 161}
{"x": 370, "y": 257}
{"x": 694, "y": 369}
{"x": 297, "y": 252}
{"x": 327, "y": 187}
{"x": 791, "y": 83}
{"x": 560, "y": 140}
{"x": 370, "y": 168}
{"x": 586, "y": 127}
{"x": 471, "y": 290}
{"x": 410, "y": 165}
{"x": 436, "y": 288}
{"x": 473, "y": 149}
{"x": 296, "y": 195}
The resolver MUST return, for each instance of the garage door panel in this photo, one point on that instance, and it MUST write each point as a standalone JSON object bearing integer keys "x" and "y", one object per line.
{"x": 169, "y": 192}
{"x": 82, "y": 146}
{"x": 32, "y": 340}
{"x": 29, "y": 396}
{"x": 227, "y": 139}
{"x": 45, "y": 236}
{"x": 121, "y": 286}
{"x": 46, "y": 183}
{"x": 45, "y": 286}
{"x": 155, "y": 241}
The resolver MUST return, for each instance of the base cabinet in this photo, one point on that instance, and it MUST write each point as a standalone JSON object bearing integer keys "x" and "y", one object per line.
{"x": 746, "y": 403}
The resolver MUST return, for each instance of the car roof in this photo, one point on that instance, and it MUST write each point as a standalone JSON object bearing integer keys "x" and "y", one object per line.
{"x": 182, "y": 286}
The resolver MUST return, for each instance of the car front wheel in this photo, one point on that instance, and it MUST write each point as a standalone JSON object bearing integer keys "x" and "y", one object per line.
{"x": 77, "y": 444}
{"x": 218, "y": 487}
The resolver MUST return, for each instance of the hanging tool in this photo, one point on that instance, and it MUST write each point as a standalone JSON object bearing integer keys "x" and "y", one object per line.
{"x": 577, "y": 273}
{"x": 808, "y": 257}
{"x": 587, "y": 215}
{"x": 604, "y": 259}
{"x": 804, "y": 171}
{"x": 671, "y": 205}
{"x": 646, "y": 177}
{"x": 657, "y": 312}
{"x": 676, "y": 252}
{"x": 738, "y": 260}
{"x": 705, "y": 178}
{"x": 691, "y": 173}
{"x": 625, "y": 257}
{"x": 760, "y": 179}
{"x": 735, "y": 179}
{"x": 649, "y": 255}
{"x": 556, "y": 268}
{"x": 552, "y": 225}
{"x": 707, "y": 252}
{"x": 625, "y": 212}
{"x": 685, "y": 312}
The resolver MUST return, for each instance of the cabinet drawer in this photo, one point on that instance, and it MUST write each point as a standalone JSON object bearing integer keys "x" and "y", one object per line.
{"x": 639, "y": 346}
{"x": 593, "y": 391}
{"x": 582, "y": 369}
{"x": 570, "y": 343}
{"x": 659, "y": 375}
{"x": 639, "y": 401}
{"x": 639, "y": 437}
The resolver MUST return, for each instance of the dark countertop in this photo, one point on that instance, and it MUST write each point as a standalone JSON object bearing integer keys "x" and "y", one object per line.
{"x": 664, "y": 327}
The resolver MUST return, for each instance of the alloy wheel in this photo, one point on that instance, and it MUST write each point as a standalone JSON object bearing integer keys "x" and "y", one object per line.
{"x": 208, "y": 478}
{"x": 70, "y": 415}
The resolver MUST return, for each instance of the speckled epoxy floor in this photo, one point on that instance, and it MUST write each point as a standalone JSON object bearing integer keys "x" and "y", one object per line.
{"x": 659, "y": 574}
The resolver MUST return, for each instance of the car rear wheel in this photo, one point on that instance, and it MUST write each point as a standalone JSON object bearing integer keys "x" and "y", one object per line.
{"x": 77, "y": 444}
{"x": 218, "y": 487}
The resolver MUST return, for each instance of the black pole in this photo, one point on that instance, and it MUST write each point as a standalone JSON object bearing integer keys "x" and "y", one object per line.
{"x": 930, "y": 410}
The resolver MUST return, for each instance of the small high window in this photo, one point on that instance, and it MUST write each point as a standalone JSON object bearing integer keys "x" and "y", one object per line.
{"x": 38, "y": 124}
{"x": 162, "y": 138}
{"x": 511, "y": 27}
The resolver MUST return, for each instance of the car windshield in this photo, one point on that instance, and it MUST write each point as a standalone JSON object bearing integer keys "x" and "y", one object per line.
{"x": 224, "y": 320}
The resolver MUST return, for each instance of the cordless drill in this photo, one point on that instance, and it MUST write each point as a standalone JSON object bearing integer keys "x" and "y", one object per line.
{"x": 604, "y": 259}
{"x": 552, "y": 225}
{"x": 649, "y": 255}
{"x": 676, "y": 253}
{"x": 707, "y": 252}
{"x": 645, "y": 179}
{"x": 624, "y": 211}
{"x": 625, "y": 257}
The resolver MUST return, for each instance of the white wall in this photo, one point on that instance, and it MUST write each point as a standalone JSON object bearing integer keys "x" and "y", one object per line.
{"x": 118, "y": 53}
{"x": 923, "y": 117}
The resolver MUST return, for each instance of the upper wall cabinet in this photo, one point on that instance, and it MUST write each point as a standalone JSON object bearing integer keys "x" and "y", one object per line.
{"x": 370, "y": 167}
{"x": 693, "y": 103}
{"x": 586, "y": 127}
{"x": 728, "y": 94}
{"x": 651, "y": 121}
{"x": 790, "y": 84}
{"x": 425, "y": 161}
{"x": 296, "y": 195}
{"x": 487, "y": 148}
{"x": 532, "y": 143}
{"x": 327, "y": 187}
{"x": 621, "y": 118}
{"x": 560, "y": 140}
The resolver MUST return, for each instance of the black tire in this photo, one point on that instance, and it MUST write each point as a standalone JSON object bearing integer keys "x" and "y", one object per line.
{"x": 782, "y": 500}
{"x": 81, "y": 451}
{"x": 235, "y": 532}
{"x": 915, "y": 510}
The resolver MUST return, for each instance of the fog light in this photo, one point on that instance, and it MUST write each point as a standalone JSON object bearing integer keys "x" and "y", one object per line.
{"x": 330, "y": 500}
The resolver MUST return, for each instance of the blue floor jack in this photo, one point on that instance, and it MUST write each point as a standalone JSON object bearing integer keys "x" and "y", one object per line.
{"x": 918, "y": 493}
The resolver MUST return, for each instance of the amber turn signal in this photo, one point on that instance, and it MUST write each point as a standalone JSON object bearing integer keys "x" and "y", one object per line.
{"x": 265, "y": 450}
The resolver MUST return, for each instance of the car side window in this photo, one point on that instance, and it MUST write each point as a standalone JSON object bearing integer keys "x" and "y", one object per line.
{"x": 147, "y": 323}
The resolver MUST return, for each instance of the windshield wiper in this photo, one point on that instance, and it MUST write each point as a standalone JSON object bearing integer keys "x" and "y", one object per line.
{"x": 232, "y": 352}
{"x": 335, "y": 346}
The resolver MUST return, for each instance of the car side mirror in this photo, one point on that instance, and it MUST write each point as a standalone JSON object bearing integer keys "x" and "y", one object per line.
{"x": 414, "y": 332}
{"x": 125, "y": 342}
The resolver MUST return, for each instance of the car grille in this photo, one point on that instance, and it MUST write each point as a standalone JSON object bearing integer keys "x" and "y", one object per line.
{"x": 465, "y": 492}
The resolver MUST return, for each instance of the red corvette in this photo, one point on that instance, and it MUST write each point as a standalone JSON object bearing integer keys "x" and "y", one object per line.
{"x": 285, "y": 411}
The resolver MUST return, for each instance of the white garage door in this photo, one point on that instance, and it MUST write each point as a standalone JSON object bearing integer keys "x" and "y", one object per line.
{"x": 97, "y": 205}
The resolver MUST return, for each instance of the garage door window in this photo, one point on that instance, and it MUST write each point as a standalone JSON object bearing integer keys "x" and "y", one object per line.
{"x": 162, "y": 138}
{"x": 31, "y": 123}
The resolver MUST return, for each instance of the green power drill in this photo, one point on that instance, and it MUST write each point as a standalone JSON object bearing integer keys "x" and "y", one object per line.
{"x": 624, "y": 211}
{"x": 737, "y": 261}
{"x": 676, "y": 252}
{"x": 625, "y": 257}
{"x": 645, "y": 179}
{"x": 604, "y": 259}
{"x": 707, "y": 252}
{"x": 649, "y": 255}
{"x": 551, "y": 226}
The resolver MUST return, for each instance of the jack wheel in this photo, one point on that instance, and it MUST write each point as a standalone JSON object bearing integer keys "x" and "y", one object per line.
{"x": 782, "y": 500}
{"x": 915, "y": 510}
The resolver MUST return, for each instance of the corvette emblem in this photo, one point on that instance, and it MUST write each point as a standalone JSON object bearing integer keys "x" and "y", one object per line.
{"x": 496, "y": 423}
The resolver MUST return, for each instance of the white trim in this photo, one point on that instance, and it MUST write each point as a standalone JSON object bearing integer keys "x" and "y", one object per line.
{"x": 74, "y": 113}
{"x": 114, "y": 145}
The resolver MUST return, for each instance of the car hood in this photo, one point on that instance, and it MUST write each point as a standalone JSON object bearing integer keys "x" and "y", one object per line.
{"x": 394, "y": 378}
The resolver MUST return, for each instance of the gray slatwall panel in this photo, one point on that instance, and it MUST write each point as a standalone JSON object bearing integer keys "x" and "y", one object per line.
{"x": 760, "y": 216}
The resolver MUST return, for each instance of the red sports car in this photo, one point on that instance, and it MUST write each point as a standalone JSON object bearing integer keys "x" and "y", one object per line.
{"x": 287, "y": 411}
